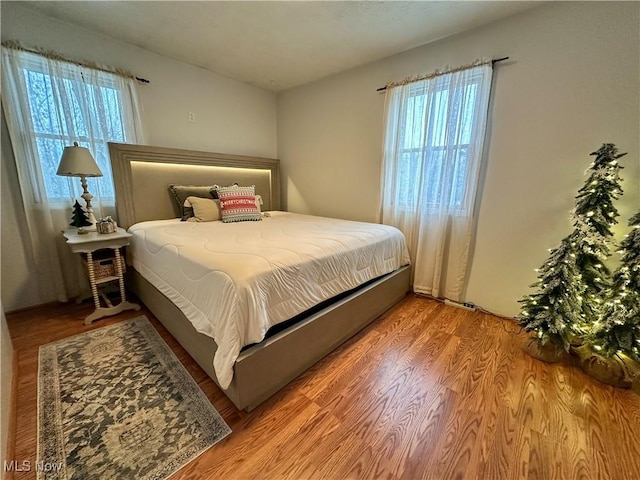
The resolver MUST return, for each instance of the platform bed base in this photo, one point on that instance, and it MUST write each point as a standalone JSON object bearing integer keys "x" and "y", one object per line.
{"x": 264, "y": 368}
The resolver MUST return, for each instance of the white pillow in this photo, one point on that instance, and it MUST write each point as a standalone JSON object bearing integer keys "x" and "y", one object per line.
{"x": 204, "y": 209}
{"x": 208, "y": 209}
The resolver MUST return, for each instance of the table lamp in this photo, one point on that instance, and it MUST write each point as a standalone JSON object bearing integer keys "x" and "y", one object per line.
{"x": 77, "y": 161}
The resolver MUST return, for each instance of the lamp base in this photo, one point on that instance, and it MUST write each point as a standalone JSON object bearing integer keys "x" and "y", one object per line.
{"x": 86, "y": 196}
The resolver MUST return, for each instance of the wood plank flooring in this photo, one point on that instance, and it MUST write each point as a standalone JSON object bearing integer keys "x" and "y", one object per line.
{"x": 427, "y": 391}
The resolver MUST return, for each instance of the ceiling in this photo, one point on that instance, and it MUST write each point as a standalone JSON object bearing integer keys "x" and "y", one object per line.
{"x": 278, "y": 45}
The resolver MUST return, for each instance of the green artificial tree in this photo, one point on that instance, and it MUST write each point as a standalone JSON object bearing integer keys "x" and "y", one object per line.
{"x": 557, "y": 303}
{"x": 571, "y": 282}
{"x": 618, "y": 329}
{"x": 79, "y": 218}
{"x": 594, "y": 216}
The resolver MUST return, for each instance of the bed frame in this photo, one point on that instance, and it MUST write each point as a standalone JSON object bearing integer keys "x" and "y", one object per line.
{"x": 141, "y": 176}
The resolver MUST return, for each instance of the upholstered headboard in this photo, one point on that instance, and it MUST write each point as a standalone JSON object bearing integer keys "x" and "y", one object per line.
{"x": 143, "y": 173}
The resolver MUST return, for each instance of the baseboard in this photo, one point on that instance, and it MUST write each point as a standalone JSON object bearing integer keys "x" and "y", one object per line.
{"x": 32, "y": 307}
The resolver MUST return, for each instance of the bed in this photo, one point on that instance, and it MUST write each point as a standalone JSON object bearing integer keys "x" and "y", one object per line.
{"x": 305, "y": 326}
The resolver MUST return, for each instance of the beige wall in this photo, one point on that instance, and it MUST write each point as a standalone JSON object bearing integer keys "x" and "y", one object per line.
{"x": 231, "y": 117}
{"x": 572, "y": 84}
{"x": 6, "y": 381}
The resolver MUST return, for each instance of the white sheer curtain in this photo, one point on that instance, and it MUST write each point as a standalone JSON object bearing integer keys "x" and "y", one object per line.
{"x": 48, "y": 104}
{"x": 433, "y": 146}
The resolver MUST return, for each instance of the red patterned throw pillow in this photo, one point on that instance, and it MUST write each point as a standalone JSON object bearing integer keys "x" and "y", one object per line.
{"x": 238, "y": 204}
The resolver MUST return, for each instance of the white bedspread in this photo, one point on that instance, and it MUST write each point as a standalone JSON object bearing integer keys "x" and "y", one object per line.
{"x": 234, "y": 281}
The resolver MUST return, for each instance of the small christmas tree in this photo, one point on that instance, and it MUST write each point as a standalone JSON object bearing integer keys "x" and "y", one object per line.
{"x": 556, "y": 306}
{"x": 79, "y": 218}
{"x": 618, "y": 329}
{"x": 572, "y": 281}
{"x": 594, "y": 215}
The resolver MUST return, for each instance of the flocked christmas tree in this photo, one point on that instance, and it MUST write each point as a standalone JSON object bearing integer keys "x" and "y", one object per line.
{"x": 618, "y": 329}
{"x": 79, "y": 218}
{"x": 557, "y": 303}
{"x": 594, "y": 216}
{"x": 571, "y": 283}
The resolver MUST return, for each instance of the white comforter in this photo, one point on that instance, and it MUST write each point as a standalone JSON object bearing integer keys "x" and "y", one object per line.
{"x": 234, "y": 281}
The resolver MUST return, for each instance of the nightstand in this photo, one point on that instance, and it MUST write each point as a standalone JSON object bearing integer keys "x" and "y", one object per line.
{"x": 88, "y": 244}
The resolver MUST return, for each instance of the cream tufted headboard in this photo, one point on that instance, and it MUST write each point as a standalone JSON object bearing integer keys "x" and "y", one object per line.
{"x": 143, "y": 173}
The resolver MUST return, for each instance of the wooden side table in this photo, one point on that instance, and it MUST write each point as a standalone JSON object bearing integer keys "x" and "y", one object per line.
{"x": 90, "y": 243}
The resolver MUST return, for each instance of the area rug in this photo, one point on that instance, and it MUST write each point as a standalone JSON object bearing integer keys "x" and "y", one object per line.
{"x": 115, "y": 402}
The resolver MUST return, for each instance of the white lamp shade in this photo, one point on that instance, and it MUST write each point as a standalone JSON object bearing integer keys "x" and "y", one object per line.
{"x": 77, "y": 162}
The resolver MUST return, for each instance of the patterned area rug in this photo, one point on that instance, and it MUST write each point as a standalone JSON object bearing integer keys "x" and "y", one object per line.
{"x": 116, "y": 403}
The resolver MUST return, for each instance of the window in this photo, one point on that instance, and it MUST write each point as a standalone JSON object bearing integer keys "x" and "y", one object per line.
{"x": 100, "y": 114}
{"x": 433, "y": 142}
{"x": 435, "y": 137}
{"x": 69, "y": 103}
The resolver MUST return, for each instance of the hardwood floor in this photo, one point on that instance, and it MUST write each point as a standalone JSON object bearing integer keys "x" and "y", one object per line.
{"x": 426, "y": 391}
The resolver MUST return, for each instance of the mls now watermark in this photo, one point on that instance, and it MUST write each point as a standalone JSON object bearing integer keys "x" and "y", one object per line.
{"x": 27, "y": 466}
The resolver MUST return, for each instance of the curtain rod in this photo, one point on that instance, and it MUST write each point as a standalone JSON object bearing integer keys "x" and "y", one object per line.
{"x": 15, "y": 45}
{"x": 493, "y": 62}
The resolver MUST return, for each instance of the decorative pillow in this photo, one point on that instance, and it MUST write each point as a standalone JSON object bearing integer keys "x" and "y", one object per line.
{"x": 238, "y": 204}
{"x": 204, "y": 209}
{"x": 214, "y": 189}
{"x": 181, "y": 192}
